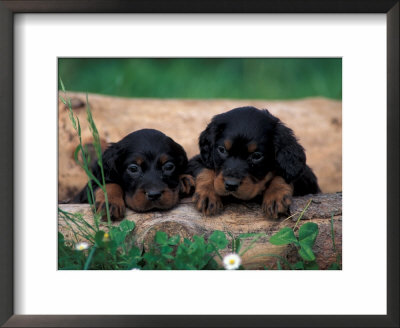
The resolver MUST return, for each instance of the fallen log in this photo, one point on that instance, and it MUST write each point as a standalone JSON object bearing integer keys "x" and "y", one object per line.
{"x": 239, "y": 218}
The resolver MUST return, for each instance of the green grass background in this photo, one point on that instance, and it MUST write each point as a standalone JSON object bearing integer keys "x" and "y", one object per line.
{"x": 204, "y": 78}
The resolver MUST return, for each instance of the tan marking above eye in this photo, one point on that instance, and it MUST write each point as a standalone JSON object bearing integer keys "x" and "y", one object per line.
{"x": 139, "y": 161}
{"x": 163, "y": 159}
{"x": 252, "y": 146}
{"x": 228, "y": 144}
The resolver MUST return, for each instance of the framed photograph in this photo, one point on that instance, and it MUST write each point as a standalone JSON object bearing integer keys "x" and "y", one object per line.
{"x": 67, "y": 74}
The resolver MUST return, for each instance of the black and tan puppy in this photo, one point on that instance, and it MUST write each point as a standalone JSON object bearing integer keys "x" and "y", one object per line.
{"x": 248, "y": 153}
{"x": 143, "y": 171}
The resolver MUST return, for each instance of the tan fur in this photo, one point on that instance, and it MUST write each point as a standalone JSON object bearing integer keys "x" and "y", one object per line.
{"x": 277, "y": 198}
{"x": 139, "y": 160}
{"x": 169, "y": 199}
{"x": 163, "y": 159}
{"x": 138, "y": 201}
{"x": 205, "y": 198}
{"x": 219, "y": 185}
{"x": 115, "y": 201}
{"x": 251, "y": 147}
{"x": 186, "y": 183}
{"x": 228, "y": 144}
{"x": 247, "y": 190}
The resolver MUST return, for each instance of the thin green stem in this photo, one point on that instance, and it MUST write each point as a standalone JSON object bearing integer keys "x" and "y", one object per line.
{"x": 219, "y": 255}
{"x": 252, "y": 243}
{"x": 106, "y": 200}
{"x": 90, "y": 257}
{"x": 79, "y": 224}
{"x": 79, "y": 218}
{"x": 302, "y": 213}
{"x": 97, "y": 147}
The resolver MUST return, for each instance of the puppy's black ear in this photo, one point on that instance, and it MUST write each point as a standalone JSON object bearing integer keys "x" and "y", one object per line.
{"x": 112, "y": 162}
{"x": 290, "y": 157}
{"x": 206, "y": 144}
{"x": 179, "y": 154}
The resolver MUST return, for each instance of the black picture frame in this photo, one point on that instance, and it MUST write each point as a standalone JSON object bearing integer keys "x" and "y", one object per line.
{"x": 11, "y": 7}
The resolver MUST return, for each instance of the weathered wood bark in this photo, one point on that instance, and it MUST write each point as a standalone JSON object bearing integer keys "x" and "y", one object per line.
{"x": 240, "y": 218}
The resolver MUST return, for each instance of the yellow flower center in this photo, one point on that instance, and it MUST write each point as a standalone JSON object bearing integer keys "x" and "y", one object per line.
{"x": 231, "y": 261}
{"x": 81, "y": 247}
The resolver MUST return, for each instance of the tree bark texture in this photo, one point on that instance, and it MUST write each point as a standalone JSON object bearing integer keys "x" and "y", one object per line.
{"x": 239, "y": 218}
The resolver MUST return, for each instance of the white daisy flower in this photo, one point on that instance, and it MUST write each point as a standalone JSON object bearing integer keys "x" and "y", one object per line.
{"x": 81, "y": 246}
{"x": 232, "y": 261}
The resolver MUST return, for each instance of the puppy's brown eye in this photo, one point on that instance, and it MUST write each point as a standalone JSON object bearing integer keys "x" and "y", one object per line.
{"x": 222, "y": 150}
{"x": 169, "y": 167}
{"x": 133, "y": 168}
{"x": 257, "y": 157}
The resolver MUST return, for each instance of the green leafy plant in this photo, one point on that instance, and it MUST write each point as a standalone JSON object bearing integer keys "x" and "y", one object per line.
{"x": 165, "y": 253}
{"x": 305, "y": 240}
{"x": 304, "y": 243}
{"x": 109, "y": 250}
{"x": 171, "y": 254}
{"x": 85, "y": 163}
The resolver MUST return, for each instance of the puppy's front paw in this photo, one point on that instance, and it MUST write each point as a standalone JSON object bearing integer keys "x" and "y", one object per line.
{"x": 207, "y": 202}
{"x": 116, "y": 202}
{"x": 186, "y": 184}
{"x": 117, "y": 210}
{"x": 206, "y": 199}
{"x": 277, "y": 199}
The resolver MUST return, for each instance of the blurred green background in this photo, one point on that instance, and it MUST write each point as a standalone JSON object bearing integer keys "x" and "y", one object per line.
{"x": 202, "y": 78}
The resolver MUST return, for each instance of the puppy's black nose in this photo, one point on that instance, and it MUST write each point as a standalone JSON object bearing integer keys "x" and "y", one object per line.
{"x": 231, "y": 184}
{"x": 153, "y": 194}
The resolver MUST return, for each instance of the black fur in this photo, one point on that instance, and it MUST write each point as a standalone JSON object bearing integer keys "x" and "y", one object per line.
{"x": 282, "y": 154}
{"x": 148, "y": 145}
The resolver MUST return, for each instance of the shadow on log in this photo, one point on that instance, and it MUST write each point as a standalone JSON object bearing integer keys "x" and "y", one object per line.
{"x": 238, "y": 218}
